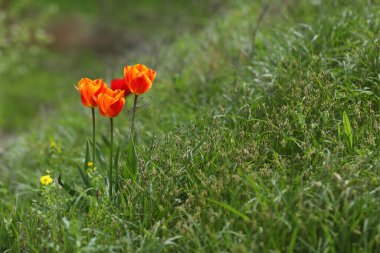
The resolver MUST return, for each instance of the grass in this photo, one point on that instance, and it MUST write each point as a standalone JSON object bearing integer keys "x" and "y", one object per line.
{"x": 263, "y": 142}
{"x": 44, "y": 70}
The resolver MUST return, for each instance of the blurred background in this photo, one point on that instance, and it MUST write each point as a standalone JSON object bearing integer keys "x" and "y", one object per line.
{"x": 47, "y": 46}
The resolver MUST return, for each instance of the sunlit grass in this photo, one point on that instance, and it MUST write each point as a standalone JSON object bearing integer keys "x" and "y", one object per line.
{"x": 263, "y": 143}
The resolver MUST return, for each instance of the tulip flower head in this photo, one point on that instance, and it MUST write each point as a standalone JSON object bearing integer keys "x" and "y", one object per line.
{"x": 89, "y": 89}
{"x": 110, "y": 102}
{"x": 121, "y": 84}
{"x": 139, "y": 78}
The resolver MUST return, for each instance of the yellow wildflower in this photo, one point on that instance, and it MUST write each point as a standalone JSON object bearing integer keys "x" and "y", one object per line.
{"x": 53, "y": 144}
{"x": 46, "y": 180}
{"x": 90, "y": 164}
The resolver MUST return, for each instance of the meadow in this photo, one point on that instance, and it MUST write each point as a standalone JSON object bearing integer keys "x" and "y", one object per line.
{"x": 259, "y": 134}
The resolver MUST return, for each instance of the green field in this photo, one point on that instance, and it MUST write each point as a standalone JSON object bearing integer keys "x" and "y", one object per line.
{"x": 38, "y": 80}
{"x": 260, "y": 134}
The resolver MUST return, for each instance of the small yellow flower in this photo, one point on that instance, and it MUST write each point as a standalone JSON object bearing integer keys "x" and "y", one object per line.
{"x": 90, "y": 164}
{"x": 46, "y": 180}
{"x": 53, "y": 144}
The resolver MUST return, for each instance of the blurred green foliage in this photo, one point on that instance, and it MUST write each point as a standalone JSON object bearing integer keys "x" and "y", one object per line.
{"x": 84, "y": 38}
{"x": 22, "y": 40}
{"x": 22, "y": 34}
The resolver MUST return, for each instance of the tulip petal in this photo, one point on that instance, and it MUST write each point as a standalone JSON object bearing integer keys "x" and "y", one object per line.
{"x": 111, "y": 102}
{"x": 140, "y": 85}
{"x": 141, "y": 68}
{"x": 151, "y": 74}
{"x": 139, "y": 78}
{"x": 121, "y": 84}
{"x": 90, "y": 89}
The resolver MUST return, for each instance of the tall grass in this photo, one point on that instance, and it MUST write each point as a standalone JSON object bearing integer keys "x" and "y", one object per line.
{"x": 252, "y": 142}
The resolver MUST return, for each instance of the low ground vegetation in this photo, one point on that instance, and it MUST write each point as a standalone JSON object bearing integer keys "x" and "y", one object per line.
{"x": 255, "y": 137}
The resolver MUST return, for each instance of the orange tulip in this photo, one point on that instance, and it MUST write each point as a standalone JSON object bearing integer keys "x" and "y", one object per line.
{"x": 89, "y": 89}
{"x": 121, "y": 84}
{"x": 110, "y": 102}
{"x": 139, "y": 78}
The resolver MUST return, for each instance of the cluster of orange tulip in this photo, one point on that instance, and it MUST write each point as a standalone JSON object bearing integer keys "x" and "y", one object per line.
{"x": 137, "y": 80}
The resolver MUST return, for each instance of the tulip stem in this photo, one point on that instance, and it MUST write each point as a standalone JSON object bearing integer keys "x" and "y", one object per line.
{"x": 93, "y": 135}
{"x": 111, "y": 155}
{"x": 133, "y": 129}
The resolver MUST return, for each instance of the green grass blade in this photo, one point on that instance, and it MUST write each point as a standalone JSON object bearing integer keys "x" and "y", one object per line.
{"x": 68, "y": 188}
{"x": 117, "y": 185}
{"x": 230, "y": 208}
{"x": 131, "y": 169}
{"x": 293, "y": 240}
{"x": 348, "y": 130}
{"x": 195, "y": 150}
{"x": 84, "y": 177}
{"x": 101, "y": 158}
{"x": 87, "y": 157}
